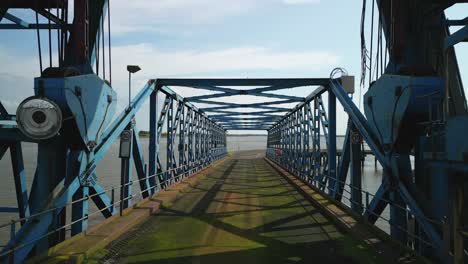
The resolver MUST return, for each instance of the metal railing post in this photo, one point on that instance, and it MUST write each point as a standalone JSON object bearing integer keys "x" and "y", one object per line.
{"x": 113, "y": 199}
{"x": 445, "y": 236}
{"x": 367, "y": 200}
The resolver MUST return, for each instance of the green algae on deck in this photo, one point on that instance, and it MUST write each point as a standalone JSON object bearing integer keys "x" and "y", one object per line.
{"x": 242, "y": 212}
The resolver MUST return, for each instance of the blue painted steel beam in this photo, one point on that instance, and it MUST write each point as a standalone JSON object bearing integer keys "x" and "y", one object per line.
{"x": 18, "y": 21}
{"x": 378, "y": 202}
{"x": 236, "y": 105}
{"x": 35, "y": 228}
{"x": 20, "y": 179}
{"x": 459, "y": 36}
{"x": 426, "y": 225}
{"x": 76, "y": 166}
{"x": 3, "y": 111}
{"x": 5, "y": 209}
{"x": 269, "y": 118}
{"x": 356, "y": 171}
{"x": 140, "y": 164}
{"x": 13, "y": 134}
{"x": 80, "y": 210}
{"x": 247, "y": 128}
{"x": 360, "y": 122}
{"x": 331, "y": 139}
{"x": 153, "y": 141}
{"x": 343, "y": 167}
{"x": 317, "y": 92}
{"x": 202, "y": 98}
{"x": 3, "y": 149}
{"x": 119, "y": 124}
{"x": 456, "y": 22}
{"x": 101, "y": 199}
{"x": 268, "y": 112}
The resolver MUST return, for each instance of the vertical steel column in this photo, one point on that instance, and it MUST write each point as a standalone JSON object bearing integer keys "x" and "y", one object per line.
{"x": 190, "y": 135}
{"x": 140, "y": 165}
{"x": 306, "y": 133}
{"x": 343, "y": 167}
{"x": 170, "y": 142}
{"x": 202, "y": 141}
{"x": 175, "y": 125}
{"x": 80, "y": 210}
{"x": 317, "y": 150}
{"x": 77, "y": 161}
{"x": 197, "y": 141}
{"x": 181, "y": 147}
{"x": 311, "y": 152}
{"x": 51, "y": 169}
{"x": 153, "y": 141}
{"x": 356, "y": 180}
{"x": 290, "y": 144}
{"x": 209, "y": 142}
{"x": 458, "y": 217}
{"x": 20, "y": 179}
{"x": 205, "y": 140}
{"x": 299, "y": 143}
{"x": 331, "y": 140}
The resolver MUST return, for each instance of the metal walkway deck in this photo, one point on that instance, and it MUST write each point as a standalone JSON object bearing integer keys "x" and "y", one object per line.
{"x": 243, "y": 211}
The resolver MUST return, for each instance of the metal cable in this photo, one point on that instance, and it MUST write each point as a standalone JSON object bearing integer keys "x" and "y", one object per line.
{"x": 50, "y": 34}
{"x": 109, "y": 41}
{"x": 38, "y": 39}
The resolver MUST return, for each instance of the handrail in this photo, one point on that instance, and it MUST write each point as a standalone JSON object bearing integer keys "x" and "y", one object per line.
{"x": 317, "y": 184}
{"x": 158, "y": 186}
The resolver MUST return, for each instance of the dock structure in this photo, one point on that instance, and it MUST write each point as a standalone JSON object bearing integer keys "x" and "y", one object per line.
{"x": 301, "y": 199}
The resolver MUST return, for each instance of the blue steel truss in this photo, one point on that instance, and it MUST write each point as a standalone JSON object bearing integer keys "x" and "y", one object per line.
{"x": 200, "y": 142}
{"x": 426, "y": 192}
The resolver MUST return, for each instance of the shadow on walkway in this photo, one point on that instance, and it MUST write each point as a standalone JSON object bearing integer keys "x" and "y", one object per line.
{"x": 243, "y": 212}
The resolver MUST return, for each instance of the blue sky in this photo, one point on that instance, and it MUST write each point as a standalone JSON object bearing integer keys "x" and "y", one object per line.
{"x": 214, "y": 38}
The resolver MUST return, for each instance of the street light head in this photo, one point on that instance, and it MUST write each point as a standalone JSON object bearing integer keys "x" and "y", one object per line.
{"x": 133, "y": 68}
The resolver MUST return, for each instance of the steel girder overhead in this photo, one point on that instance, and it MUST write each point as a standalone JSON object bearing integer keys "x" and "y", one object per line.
{"x": 233, "y": 116}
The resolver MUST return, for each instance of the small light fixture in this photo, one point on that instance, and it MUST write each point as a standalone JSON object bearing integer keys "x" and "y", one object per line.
{"x": 131, "y": 69}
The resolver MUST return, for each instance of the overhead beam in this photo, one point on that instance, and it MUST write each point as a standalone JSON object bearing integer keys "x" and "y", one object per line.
{"x": 280, "y": 82}
{"x": 32, "y": 3}
{"x": 460, "y": 36}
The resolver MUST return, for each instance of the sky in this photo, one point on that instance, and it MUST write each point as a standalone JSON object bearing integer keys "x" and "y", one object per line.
{"x": 214, "y": 38}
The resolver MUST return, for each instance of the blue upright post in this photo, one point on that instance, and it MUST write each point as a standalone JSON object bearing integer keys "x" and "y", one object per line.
{"x": 343, "y": 168}
{"x": 153, "y": 119}
{"x": 356, "y": 182}
{"x": 181, "y": 146}
{"x": 20, "y": 179}
{"x": 398, "y": 215}
{"x": 331, "y": 139}
{"x": 140, "y": 165}
{"x": 190, "y": 139}
{"x": 170, "y": 144}
{"x": 80, "y": 210}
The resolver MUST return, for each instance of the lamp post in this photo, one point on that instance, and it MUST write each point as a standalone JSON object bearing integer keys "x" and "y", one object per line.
{"x": 131, "y": 69}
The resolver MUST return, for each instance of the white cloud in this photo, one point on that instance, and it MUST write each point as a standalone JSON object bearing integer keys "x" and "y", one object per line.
{"x": 300, "y": 2}
{"x": 159, "y": 63}
{"x": 169, "y": 15}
